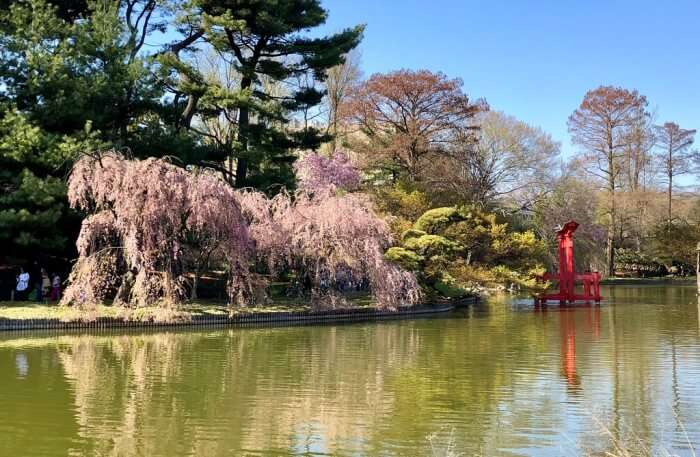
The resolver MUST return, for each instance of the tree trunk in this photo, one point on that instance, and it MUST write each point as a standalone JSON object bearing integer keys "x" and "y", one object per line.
{"x": 187, "y": 115}
{"x": 670, "y": 187}
{"x": 610, "y": 251}
{"x": 195, "y": 283}
{"x": 610, "y": 245}
{"x": 334, "y": 124}
{"x": 231, "y": 172}
{"x": 697, "y": 270}
{"x": 243, "y": 137}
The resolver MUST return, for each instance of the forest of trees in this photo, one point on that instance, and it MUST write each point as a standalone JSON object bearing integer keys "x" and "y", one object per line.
{"x": 244, "y": 89}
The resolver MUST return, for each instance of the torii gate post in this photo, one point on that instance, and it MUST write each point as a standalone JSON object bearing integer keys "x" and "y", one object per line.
{"x": 567, "y": 276}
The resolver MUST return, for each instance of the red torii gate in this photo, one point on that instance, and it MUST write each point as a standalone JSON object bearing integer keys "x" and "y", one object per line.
{"x": 567, "y": 277}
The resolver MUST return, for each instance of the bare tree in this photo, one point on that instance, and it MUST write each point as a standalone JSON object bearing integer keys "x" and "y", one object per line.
{"x": 638, "y": 173}
{"x": 572, "y": 196}
{"x": 339, "y": 84}
{"x": 216, "y": 120}
{"x": 601, "y": 126}
{"x": 309, "y": 114}
{"x": 510, "y": 160}
{"x": 638, "y": 152}
{"x": 674, "y": 156}
{"x": 407, "y": 119}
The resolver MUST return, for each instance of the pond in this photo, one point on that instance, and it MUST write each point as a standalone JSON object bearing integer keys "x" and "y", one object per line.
{"x": 500, "y": 378}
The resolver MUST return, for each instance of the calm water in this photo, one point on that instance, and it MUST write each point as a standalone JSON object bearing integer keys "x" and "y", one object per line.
{"x": 498, "y": 379}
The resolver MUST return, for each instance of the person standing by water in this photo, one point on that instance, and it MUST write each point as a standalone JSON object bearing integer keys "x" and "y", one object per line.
{"x": 55, "y": 287}
{"x": 45, "y": 284}
{"x": 22, "y": 285}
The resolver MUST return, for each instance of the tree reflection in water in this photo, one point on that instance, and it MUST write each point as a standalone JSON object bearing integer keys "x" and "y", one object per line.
{"x": 500, "y": 380}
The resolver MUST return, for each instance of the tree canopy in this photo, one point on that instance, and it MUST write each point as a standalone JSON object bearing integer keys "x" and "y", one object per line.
{"x": 277, "y": 69}
{"x": 255, "y": 96}
{"x": 408, "y": 119}
{"x": 78, "y": 77}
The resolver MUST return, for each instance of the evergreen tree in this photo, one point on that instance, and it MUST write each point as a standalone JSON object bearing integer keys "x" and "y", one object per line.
{"x": 68, "y": 87}
{"x": 69, "y": 10}
{"x": 76, "y": 77}
{"x": 278, "y": 66}
{"x": 41, "y": 128}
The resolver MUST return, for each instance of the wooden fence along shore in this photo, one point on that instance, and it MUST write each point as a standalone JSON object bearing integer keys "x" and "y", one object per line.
{"x": 281, "y": 318}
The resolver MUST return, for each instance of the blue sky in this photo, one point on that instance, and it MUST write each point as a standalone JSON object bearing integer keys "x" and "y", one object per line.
{"x": 536, "y": 59}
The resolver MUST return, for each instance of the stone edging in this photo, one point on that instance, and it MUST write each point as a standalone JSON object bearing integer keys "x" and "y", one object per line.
{"x": 281, "y": 318}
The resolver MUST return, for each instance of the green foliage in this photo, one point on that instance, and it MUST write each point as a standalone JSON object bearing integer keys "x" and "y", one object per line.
{"x": 67, "y": 87}
{"x": 403, "y": 203}
{"x": 632, "y": 262}
{"x": 671, "y": 249}
{"x": 66, "y": 75}
{"x": 430, "y": 246}
{"x": 68, "y": 10}
{"x": 404, "y": 257}
{"x": 412, "y": 233}
{"x": 434, "y": 220}
{"x": 34, "y": 217}
{"x": 277, "y": 69}
{"x": 44, "y": 124}
{"x": 456, "y": 249}
{"x": 449, "y": 287}
{"x": 675, "y": 243}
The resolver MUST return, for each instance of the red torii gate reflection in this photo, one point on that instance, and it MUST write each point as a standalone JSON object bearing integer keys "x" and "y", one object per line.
{"x": 567, "y": 276}
{"x": 567, "y": 330}
{"x": 567, "y": 279}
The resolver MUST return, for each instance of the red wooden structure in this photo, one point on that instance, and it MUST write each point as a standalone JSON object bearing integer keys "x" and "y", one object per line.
{"x": 567, "y": 277}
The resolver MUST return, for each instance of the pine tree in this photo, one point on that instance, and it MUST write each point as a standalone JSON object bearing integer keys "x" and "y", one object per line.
{"x": 68, "y": 87}
{"x": 265, "y": 41}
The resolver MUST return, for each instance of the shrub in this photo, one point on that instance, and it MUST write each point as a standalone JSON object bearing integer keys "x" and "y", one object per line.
{"x": 402, "y": 256}
{"x": 435, "y": 220}
{"x": 456, "y": 249}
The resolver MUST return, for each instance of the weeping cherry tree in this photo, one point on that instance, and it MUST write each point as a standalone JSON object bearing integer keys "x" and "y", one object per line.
{"x": 141, "y": 216}
{"x": 328, "y": 237}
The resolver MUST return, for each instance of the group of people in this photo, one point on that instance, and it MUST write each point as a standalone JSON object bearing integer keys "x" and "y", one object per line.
{"x": 37, "y": 285}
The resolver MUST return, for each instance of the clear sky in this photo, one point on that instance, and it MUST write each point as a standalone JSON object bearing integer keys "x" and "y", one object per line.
{"x": 536, "y": 59}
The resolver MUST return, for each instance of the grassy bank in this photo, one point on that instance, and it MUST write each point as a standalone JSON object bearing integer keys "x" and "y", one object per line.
{"x": 42, "y": 316}
{"x": 199, "y": 308}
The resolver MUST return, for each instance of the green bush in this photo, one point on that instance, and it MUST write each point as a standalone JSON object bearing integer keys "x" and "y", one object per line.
{"x": 432, "y": 245}
{"x": 448, "y": 288}
{"x": 454, "y": 249}
{"x": 628, "y": 261}
{"x": 407, "y": 259}
{"x": 434, "y": 220}
{"x": 412, "y": 233}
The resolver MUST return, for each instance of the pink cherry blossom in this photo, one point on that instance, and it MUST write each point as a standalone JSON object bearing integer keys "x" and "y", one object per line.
{"x": 148, "y": 219}
{"x": 316, "y": 172}
{"x": 143, "y": 212}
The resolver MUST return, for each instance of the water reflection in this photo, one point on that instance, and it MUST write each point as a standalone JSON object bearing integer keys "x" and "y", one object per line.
{"x": 567, "y": 324}
{"x": 496, "y": 380}
{"x": 22, "y": 365}
{"x": 567, "y": 327}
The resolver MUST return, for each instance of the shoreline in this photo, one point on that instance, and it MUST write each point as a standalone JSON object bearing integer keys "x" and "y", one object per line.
{"x": 689, "y": 281}
{"x": 241, "y": 319}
